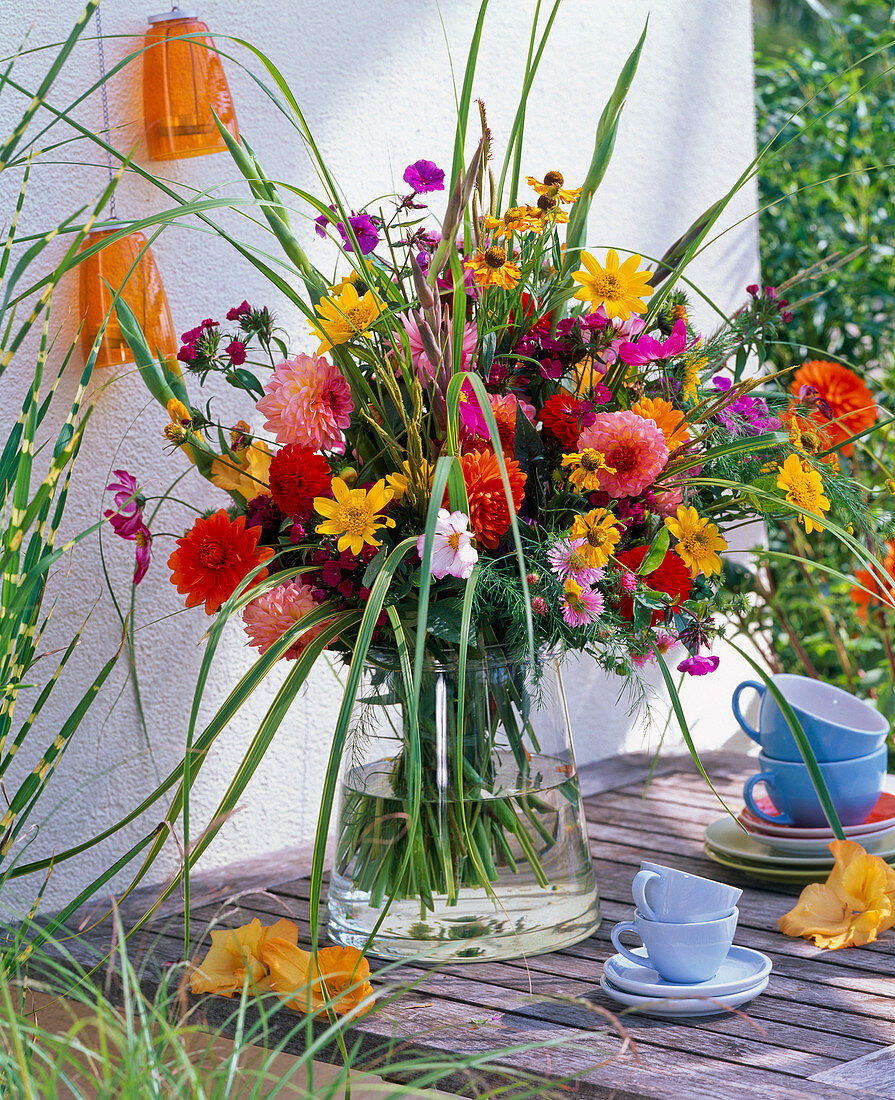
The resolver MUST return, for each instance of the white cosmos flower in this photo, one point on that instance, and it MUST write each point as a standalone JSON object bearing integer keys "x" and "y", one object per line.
{"x": 451, "y": 550}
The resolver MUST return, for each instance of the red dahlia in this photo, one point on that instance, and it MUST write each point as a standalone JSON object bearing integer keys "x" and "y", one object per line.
{"x": 213, "y": 557}
{"x": 297, "y": 475}
{"x": 672, "y": 577}
{"x": 564, "y": 415}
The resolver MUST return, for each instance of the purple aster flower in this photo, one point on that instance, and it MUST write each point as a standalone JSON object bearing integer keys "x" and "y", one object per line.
{"x": 699, "y": 666}
{"x": 236, "y": 349}
{"x": 423, "y": 176}
{"x": 566, "y": 561}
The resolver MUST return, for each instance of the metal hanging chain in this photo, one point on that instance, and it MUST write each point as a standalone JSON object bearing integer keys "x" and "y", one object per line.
{"x": 105, "y": 101}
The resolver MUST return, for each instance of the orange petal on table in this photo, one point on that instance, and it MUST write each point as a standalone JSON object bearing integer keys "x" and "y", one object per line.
{"x": 290, "y": 974}
{"x": 346, "y": 975}
{"x": 235, "y": 955}
{"x": 863, "y": 882}
{"x": 819, "y": 913}
{"x": 294, "y": 977}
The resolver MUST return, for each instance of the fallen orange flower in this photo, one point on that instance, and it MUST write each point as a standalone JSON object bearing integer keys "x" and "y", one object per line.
{"x": 343, "y": 979}
{"x": 236, "y": 953}
{"x": 852, "y": 907}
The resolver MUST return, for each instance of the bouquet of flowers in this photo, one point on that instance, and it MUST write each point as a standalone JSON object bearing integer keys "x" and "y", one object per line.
{"x": 495, "y": 446}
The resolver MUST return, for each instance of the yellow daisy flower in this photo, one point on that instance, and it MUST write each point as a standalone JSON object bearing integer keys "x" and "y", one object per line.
{"x": 601, "y": 533}
{"x": 620, "y": 289}
{"x": 344, "y": 316}
{"x": 804, "y": 487}
{"x": 399, "y": 481}
{"x": 587, "y": 466}
{"x": 353, "y": 515}
{"x": 698, "y": 541}
{"x": 490, "y": 267}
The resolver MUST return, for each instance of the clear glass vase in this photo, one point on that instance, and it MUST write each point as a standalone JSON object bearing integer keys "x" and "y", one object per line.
{"x": 461, "y": 835}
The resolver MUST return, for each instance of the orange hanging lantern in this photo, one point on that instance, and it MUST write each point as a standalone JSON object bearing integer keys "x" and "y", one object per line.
{"x": 183, "y": 80}
{"x": 143, "y": 292}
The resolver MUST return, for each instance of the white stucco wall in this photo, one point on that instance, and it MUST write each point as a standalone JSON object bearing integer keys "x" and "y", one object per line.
{"x": 374, "y": 82}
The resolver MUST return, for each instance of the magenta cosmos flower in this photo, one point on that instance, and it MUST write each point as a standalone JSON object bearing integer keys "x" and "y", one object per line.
{"x": 699, "y": 666}
{"x": 633, "y": 447}
{"x": 425, "y": 371}
{"x": 267, "y": 618}
{"x": 424, "y": 176}
{"x": 452, "y": 552}
{"x": 127, "y": 519}
{"x": 647, "y": 349}
{"x": 307, "y": 402}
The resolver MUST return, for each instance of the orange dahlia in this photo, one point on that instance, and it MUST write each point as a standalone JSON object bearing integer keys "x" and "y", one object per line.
{"x": 213, "y": 557}
{"x": 850, "y": 401}
{"x": 488, "y": 512}
{"x": 871, "y": 590}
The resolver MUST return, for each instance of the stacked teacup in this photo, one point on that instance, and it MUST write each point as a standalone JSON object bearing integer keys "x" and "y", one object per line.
{"x": 686, "y": 925}
{"x": 847, "y": 736}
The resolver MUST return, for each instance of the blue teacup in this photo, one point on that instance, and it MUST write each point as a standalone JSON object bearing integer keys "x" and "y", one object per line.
{"x": 854, "y": 786}
{"x": 839, "y": 726}
{"x": 666, "y": 894}
{"x": 682, "y": 952}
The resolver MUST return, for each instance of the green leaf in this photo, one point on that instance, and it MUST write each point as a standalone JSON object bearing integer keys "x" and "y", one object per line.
{"x": 656, "y": 554}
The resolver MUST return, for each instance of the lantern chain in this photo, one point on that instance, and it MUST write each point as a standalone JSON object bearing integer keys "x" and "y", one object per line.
{"x": 105, "y": 102}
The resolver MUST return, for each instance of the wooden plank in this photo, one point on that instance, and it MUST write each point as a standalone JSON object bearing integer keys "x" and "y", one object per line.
{"x": 873, "y": 1075}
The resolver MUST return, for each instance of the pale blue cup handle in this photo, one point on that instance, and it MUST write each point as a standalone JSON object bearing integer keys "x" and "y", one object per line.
{"x": 626, "y": 926}
{"x": 768, "y": 779}
{"x": 737, "y": 713}
{"x": 638, "y": 889}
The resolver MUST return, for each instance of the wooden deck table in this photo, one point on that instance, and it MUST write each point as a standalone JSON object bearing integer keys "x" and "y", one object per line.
{"x": 825, "y": 1026}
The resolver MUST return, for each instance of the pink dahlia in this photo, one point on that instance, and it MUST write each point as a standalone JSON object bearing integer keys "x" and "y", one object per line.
{"x": 634, "y": 447}
{"x": 267, "y": 618}
{"x": 307, "y": 402}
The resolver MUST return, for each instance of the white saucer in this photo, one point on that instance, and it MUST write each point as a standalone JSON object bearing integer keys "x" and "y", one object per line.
{"x": 742, "y": 969}
{"x": 725, "y": 836}
{"x": 682, "y": 1006}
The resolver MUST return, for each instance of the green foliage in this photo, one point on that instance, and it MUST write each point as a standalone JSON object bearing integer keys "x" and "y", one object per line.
{"x": 828, "y": 108}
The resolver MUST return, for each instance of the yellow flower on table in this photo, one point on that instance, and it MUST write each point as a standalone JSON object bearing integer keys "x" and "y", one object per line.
{"x": 600, "y": 532}
{"x": 345, "y": 315}
{"x": 354, "y": 515}
{"x": 698, "y": 541}
{"x": 587, "y": 464}
{"x": 619, "y": 288}
{"x": 343, "y": 978}
{"x": 852, "y": 907}
{"x": 235, "y": 955}
{"x": 804, "y": 487}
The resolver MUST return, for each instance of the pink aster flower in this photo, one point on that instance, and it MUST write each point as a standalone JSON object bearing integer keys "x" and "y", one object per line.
{"x": 307, "y": 402}
{"x": 425, "y": 371}
{"x": 632, "y": 446}
{"x": 267, "y": 618}
{"x": 662, "y": 641}
{"x": 566, "y": 561}
{"x": 452, "y": 552}
{"x": 580, "y": 605}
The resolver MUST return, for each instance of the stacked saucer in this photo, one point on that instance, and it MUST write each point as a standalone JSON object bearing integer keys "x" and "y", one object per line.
{"x": 688, "y": 965}
{"x": 780, "y": 852}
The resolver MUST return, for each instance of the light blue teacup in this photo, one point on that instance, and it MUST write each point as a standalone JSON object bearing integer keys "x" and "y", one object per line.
{"x": 682, "y": 952}
{"x": 667, "y": 894}
{"x": 854, "y": 786}
{"x": 839, "y": 726}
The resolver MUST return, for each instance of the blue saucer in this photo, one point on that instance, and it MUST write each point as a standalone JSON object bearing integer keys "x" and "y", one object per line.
{"x": 742, "y": 969}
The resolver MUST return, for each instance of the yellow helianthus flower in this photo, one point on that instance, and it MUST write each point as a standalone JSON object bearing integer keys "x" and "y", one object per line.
{"x": 518, "y": 219}
{"x": 587, "y": 466}
{"x": 804, "y": 487}
{"x": 619, "y": 289}
{"x": 552, "y": 185}
{"x": 490, "y": 267}
{"x": 353, "y": 515}
{"x": 698, "y": 541}
{"x": 344, "y": 316}
{"x": 694, "y": 365}
{"x": 669, "y": 420}
{"x": 399, "y": 481}
{"x": 601, "y": 533}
